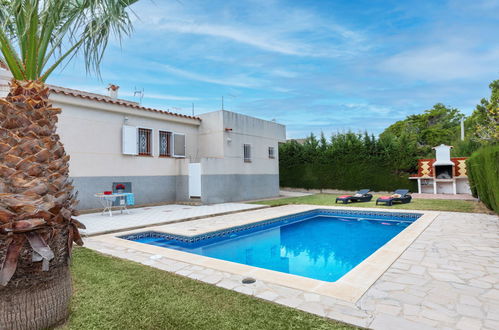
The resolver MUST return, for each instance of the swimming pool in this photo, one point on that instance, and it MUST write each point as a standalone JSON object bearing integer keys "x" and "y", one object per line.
{"x": 321, "y": 244}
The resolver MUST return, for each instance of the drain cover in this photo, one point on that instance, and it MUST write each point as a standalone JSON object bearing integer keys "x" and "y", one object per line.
{"x": 248, "y": 280}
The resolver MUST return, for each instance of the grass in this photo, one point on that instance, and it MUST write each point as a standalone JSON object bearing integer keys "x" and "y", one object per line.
{"x": 415, "y": 204}
{"x": 110, "y": 293}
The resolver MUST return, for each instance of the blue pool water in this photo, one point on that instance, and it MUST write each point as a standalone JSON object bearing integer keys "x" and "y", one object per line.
{"x": 319, "y": 244}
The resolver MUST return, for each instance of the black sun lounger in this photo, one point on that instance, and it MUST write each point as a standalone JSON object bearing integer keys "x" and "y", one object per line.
{"x": 389, "y": 200}
{"x": 361, "y": 196}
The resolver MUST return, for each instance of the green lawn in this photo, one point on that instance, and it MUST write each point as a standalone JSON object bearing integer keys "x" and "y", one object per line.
{"x": 415, "y": 204}
{"x": 111, "y": 293}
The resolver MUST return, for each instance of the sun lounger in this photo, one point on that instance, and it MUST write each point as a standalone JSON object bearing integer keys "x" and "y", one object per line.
{"x": 361, "y": 196}
{"x": 399, "y": 196}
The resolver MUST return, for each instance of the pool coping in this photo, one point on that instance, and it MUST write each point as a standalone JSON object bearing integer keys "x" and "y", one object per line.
{"x": 350, "y": 287}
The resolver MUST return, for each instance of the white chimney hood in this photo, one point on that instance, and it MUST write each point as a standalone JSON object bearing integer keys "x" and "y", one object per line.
{"x": 443, "y": 155}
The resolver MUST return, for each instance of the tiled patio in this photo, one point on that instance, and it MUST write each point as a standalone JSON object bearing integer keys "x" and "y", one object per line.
{"x": 447, "y": 279}
{"x": 98, "y": 223}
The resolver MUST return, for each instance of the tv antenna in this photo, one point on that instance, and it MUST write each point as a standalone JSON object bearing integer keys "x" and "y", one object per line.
{"x": 139, "y": 93}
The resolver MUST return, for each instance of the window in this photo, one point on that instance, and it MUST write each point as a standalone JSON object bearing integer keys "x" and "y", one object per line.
{"x": 165, "y": 148}
{"x": 178, "y": 145}
{"x": 247, "y": 153}
{"x": 271, "y": 152}
{"x": 145, "y": 141}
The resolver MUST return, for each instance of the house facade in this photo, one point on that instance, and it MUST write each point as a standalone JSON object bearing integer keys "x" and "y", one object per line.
{"x": 162, "y": 156}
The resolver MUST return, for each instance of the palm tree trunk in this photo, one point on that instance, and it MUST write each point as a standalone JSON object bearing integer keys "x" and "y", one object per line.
{"x": 36, "y": 209}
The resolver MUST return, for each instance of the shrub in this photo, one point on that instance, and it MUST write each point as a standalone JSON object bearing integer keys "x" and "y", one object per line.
{"x": 483, "y": 173}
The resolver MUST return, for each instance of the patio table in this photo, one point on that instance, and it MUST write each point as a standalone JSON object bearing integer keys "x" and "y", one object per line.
{"x": 107, "y": 202}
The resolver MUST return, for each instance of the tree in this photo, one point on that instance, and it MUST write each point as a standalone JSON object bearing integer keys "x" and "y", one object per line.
{"x": 484, "y": 121}
{"x": 37, "y": 203}
{"x": 433, "y": 127}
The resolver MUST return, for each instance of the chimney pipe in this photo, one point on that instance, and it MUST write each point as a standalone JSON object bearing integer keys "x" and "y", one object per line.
{"x": 113, "y": 91}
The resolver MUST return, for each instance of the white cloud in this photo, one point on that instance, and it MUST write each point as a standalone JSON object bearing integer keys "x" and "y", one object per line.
{"x": 237, "y": 81}
{"x": 283, "y": 73}
{"x": 444, "y": 62}
{"x": 270, "y": 27}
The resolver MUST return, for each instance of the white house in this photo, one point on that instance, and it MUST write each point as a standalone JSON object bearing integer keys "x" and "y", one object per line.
{"x": 162, "y": 156}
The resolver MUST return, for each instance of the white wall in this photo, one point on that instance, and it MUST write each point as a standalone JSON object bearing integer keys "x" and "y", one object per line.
{"x": 93, "y": 139}
{"x": 211, "y": 135}
{"x": 5, "y": 77}
{"x": 242, "y": 129}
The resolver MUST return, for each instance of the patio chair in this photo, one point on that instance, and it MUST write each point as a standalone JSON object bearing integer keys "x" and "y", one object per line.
{"x": 399, "y": 196}
{"x": 361, "y": 196}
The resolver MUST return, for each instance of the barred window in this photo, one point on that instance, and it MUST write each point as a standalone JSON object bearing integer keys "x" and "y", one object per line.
{"x": 145, "y": 141}
{"x": 165, "y": 148}
{"x": 247, "y": 153}
{"x": 271, "y": 152}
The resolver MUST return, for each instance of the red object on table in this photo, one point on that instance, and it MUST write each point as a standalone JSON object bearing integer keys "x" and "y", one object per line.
{"x": 108, "y": 192}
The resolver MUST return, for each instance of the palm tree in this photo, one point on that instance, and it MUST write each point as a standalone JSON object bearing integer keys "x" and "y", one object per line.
{"x": 37, "y": 203}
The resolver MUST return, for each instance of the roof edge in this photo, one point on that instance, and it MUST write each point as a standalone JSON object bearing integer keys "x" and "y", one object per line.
{"x": 107, "y": 99}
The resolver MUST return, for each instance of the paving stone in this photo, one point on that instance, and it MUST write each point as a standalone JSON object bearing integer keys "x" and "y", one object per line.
{"x": 437, "y": 315}
{"x": 409, "y": 309}
{"x": 244, "y": 289}
{"x": 480, "y": 284}
{"x": 388, "y": 309}
{"x": 212, "y": 279}
{"x": 390, "y": 322}
{"x": 466, "y": 323}
{"x": 268, "y": 295}
{"x": 446, "y": 277}
{"x": 313, "y": 307}
{"x": 228, "y": 284}
{"x": 387, "y": 286}
{"x": 469, "y": 300}
{"x": 418, "y": 270}
{"x": 491, "y": 294}
{"x": 424, "y": 321}
{"x": 290, "y": 302}
{"x": 357, "y": 321}
{"x": 311, "y": 297}
{"x": 413, "y": 255}
{"x": 184, "y": 272}
{"x": 284, "y": 291}
{"x": 492, "y": 324}
{"x": 469, "y": 310}
{"x": 406, "y": 298}
{"x": 401, "y": 265}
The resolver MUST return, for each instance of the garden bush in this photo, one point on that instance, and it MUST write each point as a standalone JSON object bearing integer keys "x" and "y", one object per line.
{"x": 348, "y": 161}
{"x": 483, "y": 173}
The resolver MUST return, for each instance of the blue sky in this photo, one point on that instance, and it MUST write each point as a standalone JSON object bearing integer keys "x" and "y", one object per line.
{"x": 312, "y": 65}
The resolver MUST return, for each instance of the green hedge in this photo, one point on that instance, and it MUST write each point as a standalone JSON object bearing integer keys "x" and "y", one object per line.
{"x": 483, "y": 173}
{"x": 344, "y": 176}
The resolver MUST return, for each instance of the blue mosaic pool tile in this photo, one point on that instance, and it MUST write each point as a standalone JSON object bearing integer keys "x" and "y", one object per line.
{"x": 405, "y": 217}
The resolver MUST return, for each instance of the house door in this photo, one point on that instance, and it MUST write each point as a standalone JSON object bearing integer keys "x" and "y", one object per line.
{"x": 195, "y": 180}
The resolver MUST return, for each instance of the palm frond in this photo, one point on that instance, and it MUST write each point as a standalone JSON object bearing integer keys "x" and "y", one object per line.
{"x": 37, "y": 36}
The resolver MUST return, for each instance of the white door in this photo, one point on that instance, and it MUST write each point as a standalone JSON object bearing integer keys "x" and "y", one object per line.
{"x": 195, "y": 180}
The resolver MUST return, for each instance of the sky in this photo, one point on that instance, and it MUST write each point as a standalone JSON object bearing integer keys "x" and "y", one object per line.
{"x": 314, "y": 66}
